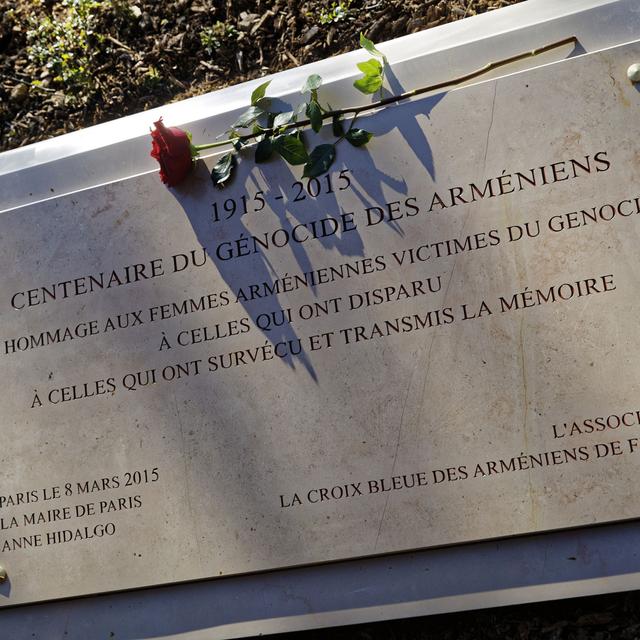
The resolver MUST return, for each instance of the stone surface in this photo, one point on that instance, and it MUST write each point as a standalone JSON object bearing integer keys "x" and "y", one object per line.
{"x": 197, "y": 473}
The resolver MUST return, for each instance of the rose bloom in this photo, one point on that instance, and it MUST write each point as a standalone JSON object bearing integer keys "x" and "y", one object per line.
{"x": 171, "y": 147}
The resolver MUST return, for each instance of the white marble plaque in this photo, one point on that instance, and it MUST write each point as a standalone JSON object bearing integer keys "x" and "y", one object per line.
{"x": 433, "y": 344}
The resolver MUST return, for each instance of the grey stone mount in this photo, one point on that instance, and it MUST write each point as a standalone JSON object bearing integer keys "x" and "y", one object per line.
{"x": 405, "y": 387}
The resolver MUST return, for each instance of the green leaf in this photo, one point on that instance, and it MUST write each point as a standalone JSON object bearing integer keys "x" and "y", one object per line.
{"x": 314, "y": 113}
{"x": 283, "y": 118}
{"x": 320, "y": 159}
{"x": 258, "y": 92}
{"x": 264, "y": 150}
{"x": 223, "y": 169}
{"x": 312, "y": 84}
{"x": 370, "y": 67}
{"x": 338, "y": 129}
{"x": 291, "y": 148}
{"x": 248, "y": 117}
{"x": 358, "y": 137}
{"x": 366, "y": 44}
{"x": 368, "y": 84}
{"x": 263, "y": 103}
{"x": 239, "y": 143}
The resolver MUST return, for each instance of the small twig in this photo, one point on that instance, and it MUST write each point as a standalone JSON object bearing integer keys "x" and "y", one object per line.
{"x": 31, "y": 84}
{"x": 263, "y": 19}
{"x": 292, "y": 57}
{"x": 208, "y": 65}
{"x": 175, "y": 81}
{"x": 122, "y": 45}
{"x": 104, "y": 67}
{"x": 407, "y": 94}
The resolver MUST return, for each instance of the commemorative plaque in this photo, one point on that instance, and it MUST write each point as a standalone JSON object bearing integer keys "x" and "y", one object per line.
{"x": 432, "y": 344}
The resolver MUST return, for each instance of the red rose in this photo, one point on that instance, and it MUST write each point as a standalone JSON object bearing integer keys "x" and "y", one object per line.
{"x": 171, "y": 147}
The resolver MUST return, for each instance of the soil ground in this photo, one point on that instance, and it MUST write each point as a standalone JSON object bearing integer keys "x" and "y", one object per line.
{"x": 606, "y": 617}
{"x": 68, "y": 65}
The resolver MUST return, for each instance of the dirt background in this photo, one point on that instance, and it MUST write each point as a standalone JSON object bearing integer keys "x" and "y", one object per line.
{"x": 610, "y": 617}
{"x": 68, "y": 65}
